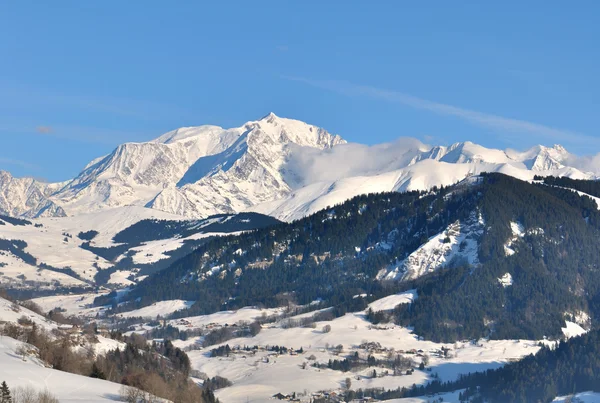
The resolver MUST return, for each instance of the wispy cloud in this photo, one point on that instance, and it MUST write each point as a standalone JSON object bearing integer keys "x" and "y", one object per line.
{"x": 80, "y": 134}
{"x": 27, "y": 97}
{"x": 19, "y": 163}
{"x": 43, "y": 129}
{"x": 96, "y": 135}
{"x": 496, "y": 122}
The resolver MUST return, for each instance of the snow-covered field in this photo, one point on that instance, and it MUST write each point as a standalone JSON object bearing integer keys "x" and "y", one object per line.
{"x": 55, "y": 242}
{"x": 248, "y": 314}
{"x": 19, "y": 372}
{"x": 258, "y": 375}
{"x": 153, "y": 251}
{"x": 255, "y": 379}
{"x": 391, "y": 301}
{"x": 73, "y": 304}
{"x": 162, "y": 308}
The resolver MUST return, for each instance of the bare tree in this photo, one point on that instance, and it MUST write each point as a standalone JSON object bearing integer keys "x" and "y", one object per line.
{"x": 30, "y": 395}
{"x": 24, "y": 395}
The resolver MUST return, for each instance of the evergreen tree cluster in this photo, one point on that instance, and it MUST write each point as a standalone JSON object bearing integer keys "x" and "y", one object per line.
{"x": 554, "y": 270}
{"x": 5, "y": 396}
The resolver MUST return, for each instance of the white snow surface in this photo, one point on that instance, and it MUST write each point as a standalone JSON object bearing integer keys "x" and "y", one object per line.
{"x": 247, "y": 314}
{"x": 121, "y": 277}
{"x": 162, "y": 308}
{"x": 506, "y": 280}
{"x": 457, "y": 244}
{"x": 391, "y": 301}
{"x": 73, "y": 304}
{"x": 453, "y": 397}
{"x": 54, "y": 242}
{"x": 572, "y": 329}
{"x": 518, "y": 231}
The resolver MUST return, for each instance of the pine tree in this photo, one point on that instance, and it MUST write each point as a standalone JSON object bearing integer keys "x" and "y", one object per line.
{"x": 97, "y": 372}
{"x": 5, "y": 393}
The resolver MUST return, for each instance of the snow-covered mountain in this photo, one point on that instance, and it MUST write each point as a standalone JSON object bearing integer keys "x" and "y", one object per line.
{"x": 28, "y": 197}
{"x": 277, "y": 166}
{"x": 409, "y": 165}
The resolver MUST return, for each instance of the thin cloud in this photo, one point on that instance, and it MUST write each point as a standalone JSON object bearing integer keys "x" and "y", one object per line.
{"x": 44, "y": 129}
{"x": 22, "y": 95}
{"x": 19, "y": 163}
{"x": 80, "y": 134}
{"x": 94, "y": 135}
{"x": 282, "y": 48}
{"x": 492, "y": 121}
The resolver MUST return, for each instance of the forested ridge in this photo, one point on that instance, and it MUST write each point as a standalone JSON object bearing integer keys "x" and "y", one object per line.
{"x": 332, "y": 255}
{"x": 337, "y": 253}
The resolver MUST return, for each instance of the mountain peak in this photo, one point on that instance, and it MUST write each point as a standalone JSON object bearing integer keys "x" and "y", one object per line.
{"x": 187, "y": 133}
{"x": 269, "y": 117}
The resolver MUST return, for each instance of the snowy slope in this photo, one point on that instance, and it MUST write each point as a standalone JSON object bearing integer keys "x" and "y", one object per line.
{"x": 251, "y": 171}
{"x": 72, "y": 304}
{"x": 457, "y": 244}
{"x": 162, "y": 308}
{"x": 10, "y": 312}
{"x": 421, "y": 175}
{"x": 392, "y": 301}
{"x": 65, "y": 386}
{"x": 135, "y": 172}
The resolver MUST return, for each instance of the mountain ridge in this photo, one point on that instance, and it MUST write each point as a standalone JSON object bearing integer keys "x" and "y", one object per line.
{"x": 276, "y": 166}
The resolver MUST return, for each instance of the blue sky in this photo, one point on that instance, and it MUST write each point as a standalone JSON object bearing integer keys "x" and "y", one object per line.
{"x": 77, "y": 78}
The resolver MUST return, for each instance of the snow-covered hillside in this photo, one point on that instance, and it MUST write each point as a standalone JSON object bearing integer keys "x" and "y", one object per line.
{"x": 67, "y": 387}
{"x": 53, "y": 243}
{"x": 281, "y": 167}
{"x": 52, "y": 252}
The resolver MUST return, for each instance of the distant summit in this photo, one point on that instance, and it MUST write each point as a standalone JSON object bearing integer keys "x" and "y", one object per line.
{"x": 277, "y": 166}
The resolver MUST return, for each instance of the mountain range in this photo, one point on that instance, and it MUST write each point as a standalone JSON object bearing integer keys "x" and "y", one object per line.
{"x": 275, "y": 166}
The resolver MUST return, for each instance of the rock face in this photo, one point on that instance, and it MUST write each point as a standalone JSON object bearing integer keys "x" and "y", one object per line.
{"x": 27, "y": 197}
{"x": 282, "y": 167}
